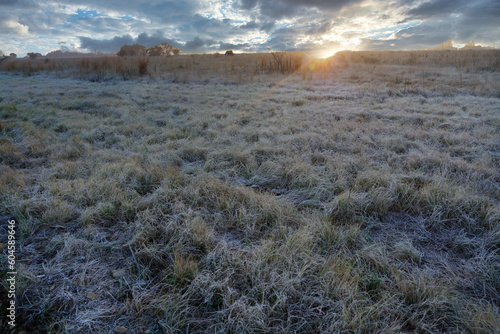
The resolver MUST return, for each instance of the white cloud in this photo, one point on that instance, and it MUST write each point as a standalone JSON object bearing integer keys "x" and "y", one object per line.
{"x": 16, "y": 27}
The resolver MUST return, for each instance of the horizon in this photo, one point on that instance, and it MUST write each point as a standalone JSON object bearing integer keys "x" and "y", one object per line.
{"x": 454, "y": 46}
{"x": 318, "y": 27}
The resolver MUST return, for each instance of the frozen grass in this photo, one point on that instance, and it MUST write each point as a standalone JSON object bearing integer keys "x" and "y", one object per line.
{"x": 336, "y": 201}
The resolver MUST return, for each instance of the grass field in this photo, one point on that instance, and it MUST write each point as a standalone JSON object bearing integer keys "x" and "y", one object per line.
{"x": 355, "y": 195}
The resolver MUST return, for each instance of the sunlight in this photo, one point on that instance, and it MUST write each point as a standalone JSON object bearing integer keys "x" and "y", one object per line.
{"x": 326, "y": 53}
{"x": 346, "y": 44}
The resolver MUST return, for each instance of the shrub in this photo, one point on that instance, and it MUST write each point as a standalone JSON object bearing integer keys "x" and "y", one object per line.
{"x": 142, "y": 66}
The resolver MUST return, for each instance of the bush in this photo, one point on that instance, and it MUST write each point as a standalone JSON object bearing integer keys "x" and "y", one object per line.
{"x": 142, "y": 65}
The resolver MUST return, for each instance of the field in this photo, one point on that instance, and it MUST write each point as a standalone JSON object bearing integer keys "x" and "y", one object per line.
{"x": 249, "y": 194}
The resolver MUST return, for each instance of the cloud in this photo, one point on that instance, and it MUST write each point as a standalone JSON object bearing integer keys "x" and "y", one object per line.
{"x": 208, "y": 26}
{"x": 437, "y": 8}
{"x": 248, "y": 4}
{"x": 168, "y": 12}
{"x": 249, "y": 25}
{"x": 98, "y": 25}
{"x": 9, "y": 2}
{"x": 106, "y": 45}
{"x": 10, "y": 25}
{"x": 460, "y": 20}
{"x": 279, "y": 9}
{"x": 18, "y": 3}
{"x": 16, "y": 27}
{"x": 231, "y": 46}
{"x": 421, "y": 36}
{"x": 115, "y": 43}
{"x": 155, "y": 39}
{"x": 320, "y": 29}
{"x": 195, "y": 44}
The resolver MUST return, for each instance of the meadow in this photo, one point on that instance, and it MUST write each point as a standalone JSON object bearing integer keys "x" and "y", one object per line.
{"x": 254, "y": 194}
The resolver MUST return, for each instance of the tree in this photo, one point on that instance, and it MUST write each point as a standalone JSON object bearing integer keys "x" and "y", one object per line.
{"x": 54, "y": 54}
{"x": 279, "y": 59}
{"x": 155, "y": 51}
{"x": 163, "y": 49}
{"x": 2, "y": 56}
{"x": 132, "y": 50}
{"x": 229, "y": 53}
{"x": 166, "y": 48}
{"x": 33, "y": 55}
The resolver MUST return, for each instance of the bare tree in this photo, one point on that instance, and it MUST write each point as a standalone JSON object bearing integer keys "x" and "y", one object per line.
{"x": 279, "y": 60}
{"x": 2, "y": 56}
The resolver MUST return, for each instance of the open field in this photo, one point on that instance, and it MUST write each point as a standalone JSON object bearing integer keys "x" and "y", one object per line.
{"x": 354, "y": 195}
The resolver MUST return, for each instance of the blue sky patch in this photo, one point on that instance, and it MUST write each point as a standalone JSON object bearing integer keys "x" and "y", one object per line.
{"x": 386, "y": 32}
{"x": 81, "y": 13}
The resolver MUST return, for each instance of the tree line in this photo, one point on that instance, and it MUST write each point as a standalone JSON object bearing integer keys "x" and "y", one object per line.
{"x": 163, "y": 49}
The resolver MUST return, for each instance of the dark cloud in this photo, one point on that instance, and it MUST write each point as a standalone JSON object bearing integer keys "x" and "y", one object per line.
{"x": 155, "y": 39}
{"x": 401, "y": 3}
{"x": 8, "y": 2}
{"x": 470, "y": 13}
{"x": 483, "y": 14}
{"x": 18, "y": 3}
{"x": 438, "y": 8}
{"x": 214, "y": 27}
{"x": 286, "y": 8}
{"x": 268, "y": 26}
{"x": 248, "y": 4}
{"x": 440, "y": 20}
{"x": 282, "y": 43}
{"x": 194, "y": 45}
{"x": 320, "y": 29}
{"x": 250, "y": 25}
{"x": 422, "y": 36}
{"x": 169, "y": 11}
{"x": 278, "y": 9}
{"x": 106, "y": 45}
{"x": 115, "y": 43}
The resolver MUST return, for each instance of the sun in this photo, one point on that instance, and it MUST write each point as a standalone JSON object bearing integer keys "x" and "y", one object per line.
{"x": 345, "y": 44}
{"x": 326, "y": 53}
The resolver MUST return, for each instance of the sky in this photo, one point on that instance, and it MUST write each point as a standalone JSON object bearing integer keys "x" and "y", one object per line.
{"x": 321, "y": 27}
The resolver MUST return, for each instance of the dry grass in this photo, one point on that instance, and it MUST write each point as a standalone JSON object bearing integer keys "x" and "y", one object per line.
{"x": 202, "y": 199}
{"x": 180, "y": 69}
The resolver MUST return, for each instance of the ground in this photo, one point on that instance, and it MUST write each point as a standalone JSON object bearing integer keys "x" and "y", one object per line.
{"x": 361, "y": 199}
